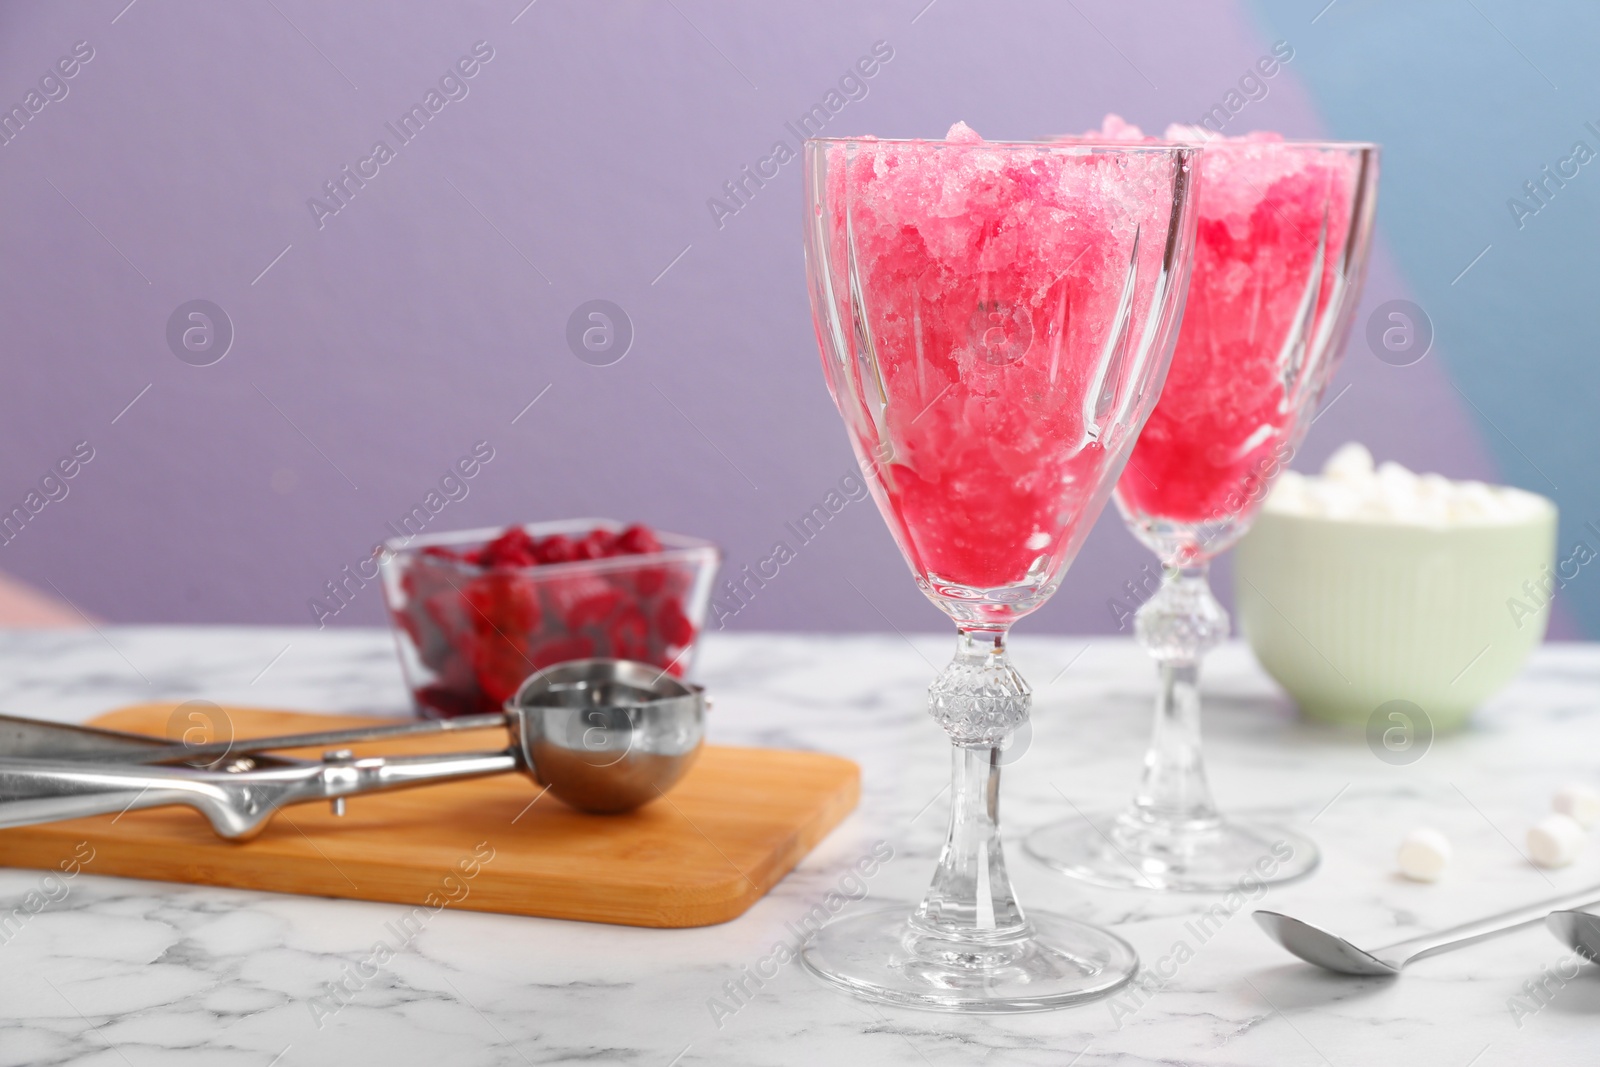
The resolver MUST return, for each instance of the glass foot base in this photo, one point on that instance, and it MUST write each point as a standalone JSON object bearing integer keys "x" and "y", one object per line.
{"x": 881, "y": 956}
{"x": 1130, "y": 850}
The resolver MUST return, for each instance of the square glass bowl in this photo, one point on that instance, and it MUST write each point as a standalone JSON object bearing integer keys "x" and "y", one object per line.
{"x": 468, "y": 634}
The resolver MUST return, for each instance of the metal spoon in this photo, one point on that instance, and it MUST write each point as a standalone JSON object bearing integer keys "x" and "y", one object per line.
{"x": 1578, "y": 930}
{"x": 1334, "y": 953}
{"x": 602, "y": 735}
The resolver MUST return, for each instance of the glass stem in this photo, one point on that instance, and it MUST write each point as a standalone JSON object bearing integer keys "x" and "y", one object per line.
{"x": 1178, "y": 626}
{"x": 979, "y": 699}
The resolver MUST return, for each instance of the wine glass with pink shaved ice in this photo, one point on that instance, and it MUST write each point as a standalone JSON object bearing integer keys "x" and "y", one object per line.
{"x": 995, "y": 321}
{"x": 1281, "y": 251}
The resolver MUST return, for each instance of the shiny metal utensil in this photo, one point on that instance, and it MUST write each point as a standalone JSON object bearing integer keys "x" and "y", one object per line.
{"x": 1332, "y": 952}
{"x": 602, "y": 735}
{"x": 607, "y": 735}
{"x": 40, "y": 740}
{"x": 35, "y": 739}
{"x": 1578, "y": 930}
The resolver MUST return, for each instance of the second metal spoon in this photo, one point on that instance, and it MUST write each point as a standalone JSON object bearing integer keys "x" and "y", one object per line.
{"x": 1578, "y": 930}
{"x": 1334, "y": 953}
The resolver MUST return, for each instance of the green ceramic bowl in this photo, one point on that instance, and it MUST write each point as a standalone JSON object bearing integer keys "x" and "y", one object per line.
{"x": 1350, "y": 615}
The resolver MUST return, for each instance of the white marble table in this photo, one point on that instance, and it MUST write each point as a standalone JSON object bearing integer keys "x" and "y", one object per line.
{"x": 119, "y": 971}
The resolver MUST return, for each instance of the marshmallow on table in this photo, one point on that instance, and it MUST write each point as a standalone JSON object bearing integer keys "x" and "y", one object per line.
{"x": 1579, "y": 801}
{"x": 1555, "y": 840}
{"x": 1424, "y": 854}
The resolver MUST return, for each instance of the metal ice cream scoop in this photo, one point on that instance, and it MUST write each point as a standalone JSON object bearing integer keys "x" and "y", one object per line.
{"x": 602, "y": 735}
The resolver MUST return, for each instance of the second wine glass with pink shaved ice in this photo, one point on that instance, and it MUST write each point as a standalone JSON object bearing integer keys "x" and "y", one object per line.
{"x": 995, "y": 322}
{"x": 1281, "y": 251}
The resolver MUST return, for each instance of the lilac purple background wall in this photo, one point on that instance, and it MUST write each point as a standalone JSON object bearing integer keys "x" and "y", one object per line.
{"x": 373, "y": 345}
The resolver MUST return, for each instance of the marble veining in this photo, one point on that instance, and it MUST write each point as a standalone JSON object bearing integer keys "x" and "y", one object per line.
{"x": 118, "y": 971}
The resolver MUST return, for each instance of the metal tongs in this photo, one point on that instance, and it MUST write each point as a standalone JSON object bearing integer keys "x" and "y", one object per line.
{"x": 602, "y": 735}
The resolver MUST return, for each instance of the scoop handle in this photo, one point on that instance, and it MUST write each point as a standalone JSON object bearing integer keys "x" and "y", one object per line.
{"x": 41, "y": 791}
{"x": 320, "y": 739}
{"x": 238, "y": 804}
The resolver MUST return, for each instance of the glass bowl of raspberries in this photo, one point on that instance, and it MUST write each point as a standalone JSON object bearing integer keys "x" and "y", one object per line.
{"x": 477, "y": 611}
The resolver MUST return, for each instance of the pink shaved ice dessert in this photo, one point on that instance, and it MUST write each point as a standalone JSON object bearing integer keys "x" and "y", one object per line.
{"x": 1266, "y": 269}
{"x": 1001, "y": 341}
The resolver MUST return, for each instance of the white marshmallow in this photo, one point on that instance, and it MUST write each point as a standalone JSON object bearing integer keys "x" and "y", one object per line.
{"x": 1435, "y": 485}
{"x": 1432, "y": 510}
{"x": 1555, "y": 840}
{"x": 1424, "y": 854}
{"x": 1352, "y": 490}
{"x": 1396, "y": 479}
{"x": 1579, "y": 801}
{"x": 1350, "y": 462}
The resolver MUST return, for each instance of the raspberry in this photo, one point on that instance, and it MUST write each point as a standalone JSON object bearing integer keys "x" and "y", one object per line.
{"x": 584, "y": 600}
{"x": 557, "y": 548}
{"x": 638, "y": 540}
{"x": 673, "y": 625}
{"x": 596, "y": 544}
{"x": 482, "y": 633}
{"x": 649, "y": 580}
{"x": 513, "y": 548}
{"x": 508, "y": 603}
{"x": 629, "y": 634}
{"x": 560, "y": 650}
{"x": 501, "y": 663}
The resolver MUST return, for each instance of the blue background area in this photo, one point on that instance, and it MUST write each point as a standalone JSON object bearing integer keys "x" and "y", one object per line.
{"x": 1471, "y": 100}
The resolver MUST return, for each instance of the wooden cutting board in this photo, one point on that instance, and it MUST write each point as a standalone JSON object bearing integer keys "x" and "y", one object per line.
{"x": 736, "y": 824}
